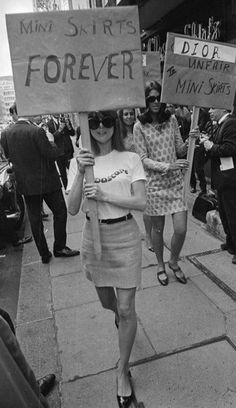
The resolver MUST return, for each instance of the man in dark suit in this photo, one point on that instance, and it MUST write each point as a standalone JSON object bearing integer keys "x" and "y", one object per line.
{"x": 61, "y": 128}
{"x": 222, "y": 151}
{"x": 33, "y": 159}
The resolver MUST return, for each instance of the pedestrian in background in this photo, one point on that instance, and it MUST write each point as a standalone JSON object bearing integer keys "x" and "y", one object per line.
{"x": 61, "y": 128}
{"x": 127, "y": 120}
{"x": 118, "y": 188}
{"x": 160, "y": 146}
{"x": 222, "y": 152}
{"x": 33, "y": 159}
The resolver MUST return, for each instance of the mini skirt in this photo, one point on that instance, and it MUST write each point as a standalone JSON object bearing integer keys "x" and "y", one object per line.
{"x": 121, "y": 259}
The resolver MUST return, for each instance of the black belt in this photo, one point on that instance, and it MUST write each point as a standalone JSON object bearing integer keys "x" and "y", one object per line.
{"x": 113, "y": 220}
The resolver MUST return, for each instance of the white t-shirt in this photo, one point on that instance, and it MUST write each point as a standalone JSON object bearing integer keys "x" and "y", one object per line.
{"x": 115, "y": 172}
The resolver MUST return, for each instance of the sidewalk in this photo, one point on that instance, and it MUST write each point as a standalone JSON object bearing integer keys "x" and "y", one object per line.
{"x": 184, "y": 352}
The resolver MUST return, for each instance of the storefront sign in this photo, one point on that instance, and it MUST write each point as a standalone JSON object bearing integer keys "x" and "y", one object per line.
{"x": 81, "y": 60}
{"x": 211, "y": 32}
{"x": 199, "y": 72}
{"x": 151, "y": 66}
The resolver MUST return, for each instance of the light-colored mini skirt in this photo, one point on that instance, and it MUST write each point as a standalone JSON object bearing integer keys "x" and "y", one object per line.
{"x": 120, "y": 263}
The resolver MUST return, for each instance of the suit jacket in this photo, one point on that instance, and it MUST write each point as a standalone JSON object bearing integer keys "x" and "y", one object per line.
{"x": 62, "y": 138}
{"x": 33, "y": 158}
{"x": 224, "y": 145}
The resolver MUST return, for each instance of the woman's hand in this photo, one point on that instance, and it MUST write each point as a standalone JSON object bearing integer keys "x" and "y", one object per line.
{"x": 92, "y": 190}
{"x": 84, "y": 158}
{"x": 180, "y": 164}
{"x": 195, "y": 133}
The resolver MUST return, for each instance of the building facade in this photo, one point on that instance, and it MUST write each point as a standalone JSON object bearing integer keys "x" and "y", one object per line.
{"x": 212, "y": 19}
{"x": 7, "y": 98}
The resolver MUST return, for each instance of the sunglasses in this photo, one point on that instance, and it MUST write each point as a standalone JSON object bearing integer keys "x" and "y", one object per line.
{"x": 94, "y": 123}
{"x": 128, "y": 114}
{"x": 152, "y": 99}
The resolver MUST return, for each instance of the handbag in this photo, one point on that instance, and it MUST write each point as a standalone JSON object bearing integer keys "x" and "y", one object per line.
{"x": 203, "y": 204}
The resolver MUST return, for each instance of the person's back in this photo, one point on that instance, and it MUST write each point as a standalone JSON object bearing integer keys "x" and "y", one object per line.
{"x": 33, "y": 158}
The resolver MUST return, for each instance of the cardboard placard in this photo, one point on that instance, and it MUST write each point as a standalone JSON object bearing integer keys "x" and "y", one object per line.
{"x": 151, "y": 66}
{"x": 76, "y": 61}
{"x": 199, "y": 72}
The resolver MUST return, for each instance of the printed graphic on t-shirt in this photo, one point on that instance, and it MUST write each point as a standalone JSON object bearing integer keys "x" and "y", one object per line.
{"x": 111, "y": 177}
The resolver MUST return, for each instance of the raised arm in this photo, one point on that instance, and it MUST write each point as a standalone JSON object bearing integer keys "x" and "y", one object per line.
{"x": 83, "y": 159}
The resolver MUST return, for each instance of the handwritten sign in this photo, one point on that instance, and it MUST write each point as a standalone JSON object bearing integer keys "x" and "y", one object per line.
{"x": 81, "y": 60}
{"x": 199, "y": 72}
{"x": 151, "y": 66}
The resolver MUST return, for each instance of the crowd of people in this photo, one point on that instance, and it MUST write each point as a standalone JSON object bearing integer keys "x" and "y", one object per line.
{"x": 139, "y": 162}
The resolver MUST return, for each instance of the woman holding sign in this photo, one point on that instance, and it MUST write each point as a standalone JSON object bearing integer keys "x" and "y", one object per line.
{"x": 159, "y": 143}
{"x": 118, "y": 188}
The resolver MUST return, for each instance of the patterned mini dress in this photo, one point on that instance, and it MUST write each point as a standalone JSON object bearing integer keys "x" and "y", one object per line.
{"x": 161, "y": 144}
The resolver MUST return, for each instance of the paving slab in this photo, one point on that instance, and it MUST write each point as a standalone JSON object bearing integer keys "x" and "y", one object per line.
{"x": 214, "y": 293}
{"x": 94, "y": 391}
{"x": 204, "y": 377}
{"x": 87, "y": 340}
{"x": 38, "y": 343}
{"x": 197, "y": 239}
{"x": 35, "y": 300}
{"x": 72, "y": 290}
{"x": 220, "y": 264}
{"x": 177, "y": 316}
{"x": 231, "y": 326}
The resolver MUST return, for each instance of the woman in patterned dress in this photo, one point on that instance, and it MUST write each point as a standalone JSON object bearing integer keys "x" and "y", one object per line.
{"x": 160, "y": 146}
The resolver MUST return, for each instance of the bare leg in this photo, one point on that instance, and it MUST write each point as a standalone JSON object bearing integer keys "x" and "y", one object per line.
{"x": 177, "y": 241}
{"x": 127, "y": 332}
{"x": 158, "y": 224}
{"x": 148, "y": 230}
{"x": 107, "y": 297}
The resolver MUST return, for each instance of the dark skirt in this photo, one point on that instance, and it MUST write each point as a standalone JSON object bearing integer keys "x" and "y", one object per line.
{"x": 120, "y": 263}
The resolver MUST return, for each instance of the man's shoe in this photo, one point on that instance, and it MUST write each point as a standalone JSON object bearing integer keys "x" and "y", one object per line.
{"x": 225, "y": 247}
{"x": 234, "y": 260}
{"x": 66, "y": 252}
{"x": 22, "y": 241}
{"x": 46, "y": 383}
{"x": 46, "y": 258}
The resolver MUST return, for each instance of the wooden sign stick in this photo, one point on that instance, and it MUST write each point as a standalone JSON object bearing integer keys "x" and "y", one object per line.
{"x": 190, "y": 154}
{"x": 89, "y": 176}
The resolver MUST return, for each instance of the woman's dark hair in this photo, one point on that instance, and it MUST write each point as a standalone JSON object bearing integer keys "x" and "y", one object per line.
{"x": 163, "y": 114}
{"x": 123, "y": 128}
{"x": 117, "y": 141}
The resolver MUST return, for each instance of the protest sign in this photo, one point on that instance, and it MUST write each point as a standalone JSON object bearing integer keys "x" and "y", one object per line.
{"x": 77, "y": 60}
{"x": 199, "y": 72}
{"x": 151, "y": 66}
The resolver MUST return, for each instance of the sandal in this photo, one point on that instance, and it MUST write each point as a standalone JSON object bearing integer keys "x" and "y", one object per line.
{"x": 162, "y": 277}
{"x": 178, "y": 273}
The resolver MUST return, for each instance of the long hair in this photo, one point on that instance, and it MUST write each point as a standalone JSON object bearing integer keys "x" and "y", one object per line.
{"x": 117, "y": 141}
{"x": 123, "y": 128}
{"x": 163, "y": 114}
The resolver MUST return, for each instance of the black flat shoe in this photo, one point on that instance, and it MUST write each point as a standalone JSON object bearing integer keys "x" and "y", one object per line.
{"x": 162, "y": 278}
{"x": 125, "y": 402}
{"x": 178, "y": 274}
{"x": 46, "y": 258}
{"x": 66, "y": 252}
{"x": 46, "y": 383}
